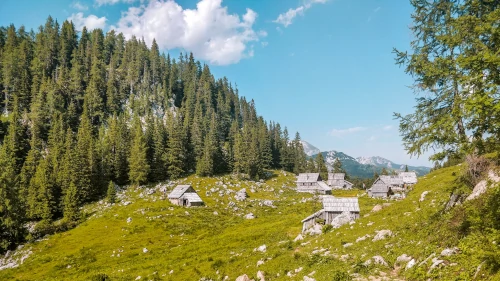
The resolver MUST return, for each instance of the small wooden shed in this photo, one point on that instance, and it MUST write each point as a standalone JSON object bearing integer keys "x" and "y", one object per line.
{"x": 332, "y": 207}
{"x": 380, "y": 190}
{"x": 313, "y": 183}
{"x": 338, "y": 181}
{"x": 185, "y": 195}
{"x": 409, "y": 178}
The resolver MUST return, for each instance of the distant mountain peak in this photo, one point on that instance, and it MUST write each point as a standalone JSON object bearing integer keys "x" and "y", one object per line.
{"x": 310, "y": 149}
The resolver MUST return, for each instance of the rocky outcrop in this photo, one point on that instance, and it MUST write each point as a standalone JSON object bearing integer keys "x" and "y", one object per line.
{"x": 342, "y": 219}
{"x": 382, "y": 234}
{"x": 483, "y": 185}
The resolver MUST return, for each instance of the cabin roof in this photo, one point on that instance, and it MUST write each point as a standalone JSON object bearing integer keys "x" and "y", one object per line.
{"x": 308, "y": 177}
{"x": 315, "y": 215}
{"x": 178, "y": 191}
{"x": 409, "y": 177}
{"x": 337, "y": 204}
{"x": 336, "y": 176}
{"x": 192, "y": 197}
{"x": 324, "y": 185}
{"x": 392, "y": 180}
{"x": 379, "y": 188}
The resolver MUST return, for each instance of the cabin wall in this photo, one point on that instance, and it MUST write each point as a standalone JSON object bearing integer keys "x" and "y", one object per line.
{"x": 175, "y": 201}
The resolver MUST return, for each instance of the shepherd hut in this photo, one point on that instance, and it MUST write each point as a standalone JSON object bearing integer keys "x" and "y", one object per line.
{"x": 185, "y": 195}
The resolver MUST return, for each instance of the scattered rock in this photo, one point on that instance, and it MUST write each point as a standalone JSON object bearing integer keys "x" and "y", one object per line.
{"x": 377, "y": 208}
{"x": 382, "y": 234}
{"x": 215, "y": 213}
{"x": 129, "y": 220}
{"x": 138, "y": 278}
{"x": 298, "y": 238}
{"x": 482, "y": 186}
{"x": 307, "y": 278}
{"x": 171, "y": 272}
{"x": 346, "y": 245}
{"x": 422, "y": 196}
{"x": 403, "y": 258}
{"x": 297, "y": 270}
{"x": 363, "y": 238}
{"x": 260, "y": 276}
{"x": 343, "y": 218}
{"x": 410, "y": 264}
{"x": 268, "y": 203}
{"x": 145, "y": 250}
{"x": 241, "y": 195}
{"x": 250, "y": 216}
{"x": 262, "y": 248}
{"x": 449, "y": 252}
{"x": 379, "y": 260}
{"x": 260, "y": 262}
{"x": 187, "y": 213}
{"x": 243, "y": 277}
{"x": 315, "y": 230}
{"x": 435, "y": 263}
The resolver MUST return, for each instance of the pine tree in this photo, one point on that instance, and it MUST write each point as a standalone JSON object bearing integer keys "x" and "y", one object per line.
{"x": 111, "y": 193}
{"x": 139, "y": 168}
{"x": 406, "y": 168}
{"x": 71, "y": 204}
{"x": 176, "y": 151}
{"x": 321, "y": 166}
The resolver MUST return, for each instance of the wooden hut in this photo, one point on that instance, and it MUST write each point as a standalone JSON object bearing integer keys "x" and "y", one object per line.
{"x": 338, "y": 181}
{"x": 332, "y": 207}
{"x": 380, "y": 190}
{"x": 185, "y": 195}
{"x": 409, "y": 178}
{"x": 313, "y": 183}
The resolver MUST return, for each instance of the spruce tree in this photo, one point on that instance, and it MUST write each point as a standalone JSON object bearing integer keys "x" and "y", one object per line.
{"x": 139, "y": 167}
{"x": 111, "y": 193}
{"x": 321, "y": 166}
{"x": 71, "y": 204}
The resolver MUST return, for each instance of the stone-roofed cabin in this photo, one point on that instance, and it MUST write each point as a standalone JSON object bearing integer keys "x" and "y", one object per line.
{"x": 338, "y": 181}
{"x": 380, "y": 190}
{"x": 185, "y": 195}
{"x": 332, "y": 208}
{"x": 313, "y": 183}
{"x": 409, "y": 178}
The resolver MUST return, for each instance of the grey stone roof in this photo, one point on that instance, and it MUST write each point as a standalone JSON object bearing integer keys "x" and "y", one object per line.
{"x": 324, "y": 185}
{"x": 308, "y": 177}
{"x": 336, "y": 176}
{"x": 192, "y": 197}
{"x": 392, "y": 180}
{"x": 178, "y": 191}
{"x": 379, "y": 188}
{"x": 409, "y": 177}
{"x": 336, "y": 204}
{"x": 315, "y": 215}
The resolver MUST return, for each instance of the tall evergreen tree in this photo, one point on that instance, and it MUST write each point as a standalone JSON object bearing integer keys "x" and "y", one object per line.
{"x": 321, "y": 166}
{"x": 139, "y": 167}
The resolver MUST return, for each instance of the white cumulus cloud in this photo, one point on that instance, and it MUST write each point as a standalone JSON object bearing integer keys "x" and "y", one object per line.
{"x": 111, "y": 2}
{"x": 343, "y": 132}
{"x": 208, "y": 31}
{"x": 91, "y": 21}
{"x": 79, "y": 6}
{"x": 287, "y": 18}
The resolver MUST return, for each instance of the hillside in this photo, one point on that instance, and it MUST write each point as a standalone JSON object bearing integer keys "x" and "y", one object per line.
{"x": 144, "y": 235}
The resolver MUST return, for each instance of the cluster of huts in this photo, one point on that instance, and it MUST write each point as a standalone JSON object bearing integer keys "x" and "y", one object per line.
{"x": 397, "y": 185}
{"x": 384, "y": 187}
{"x": 313, "y": 183}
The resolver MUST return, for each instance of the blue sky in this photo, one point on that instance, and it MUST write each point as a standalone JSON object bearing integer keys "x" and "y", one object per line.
{"x": 320, "y": 67}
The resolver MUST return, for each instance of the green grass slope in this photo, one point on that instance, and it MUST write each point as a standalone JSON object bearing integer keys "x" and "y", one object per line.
{"x": 216, "y": 241}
